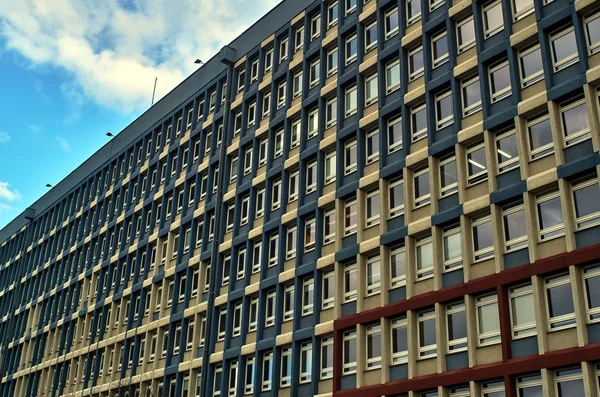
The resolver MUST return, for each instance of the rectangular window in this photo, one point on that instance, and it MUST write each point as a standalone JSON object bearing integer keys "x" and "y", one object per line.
{"x": 281, "y": 92}
{"x": 260, "y": 202}
{"x": 349, "y": 352}
{"x": 371, "y": 36}
{"x": 392, "y": 76}
{"x": 448, "y": 176}
{"x": 394, "y": 128}
{"x": 237, "y": 319}
{"x": 288, "y": 302}
{"x": 591, "y": 280}
{"x": 269, "y": 60}
{"x": 471, "y": 96}
{"x": 330, "y": 167}
{"x": 424, "y": 257}
{"x": 276, "y": 195}
{"x": 262, "y": 152}
{"x": 493, "y": 388}
{"x": 328, "y": 289}
{"x": 476, "y": 164}
{"x": 308, "y": 293}
{"x": 507, "y": 155}
{"x": 327, "y": 357}
{"x": 514, "y": 225}
{"x": 350, "y": 282}
{"x": 254, "y": 71}
{"x": 592, "y": 33}
{"x": 416, "y": 65}
{"x": 452, "y": 242}
{"x": 310, "y": 231}
{"x": 439, "y": 48}
{"x": 241, "y": 79}
{"x": 399, "y": 340}
{"x": 483, "y": 238}
{"x": 315, "y": 26}
{"x": 397, "y": 267}
{"x": 249, "y": 382}
{"x": 559, "y": 302}
{"x": 332, "y": 61}
{"x": 253, "y": 316}
{"x": 418, "y": 122}
{"x": 331, "y": 112}
{"x": 422, "y": 188}
{"x": 540, "y": 140}
{"x": 311, "y": 177}
{"x": 372, "y": 208}
{"x": 292, "y": 233}
{"x": 283, "y": 49}
{"x": 332, "y": 14}
{"x": 270, "y": 309}
{"x": 273, "y": 250}
{"x": 413, "y": 11}
{"x": 350, "y": 157}
{"x": 575, "y": 123}
{"x": 391, "y": 21}
{"x": 456, "y": 321}
{"x": 444, "y": 109}
{"x": 267, "y": 371}
{"x": 266, "y": 105}
{"x": 371, "y": 89}
{"x": 493, "y": 18}
{"x": 350, "y": 6}
{"x": 251, "y": 114}
{"x": 549, "y": 215}
{"x": 465, "y": 34}
{"x": 217, "y": 380}
{"x": 299, "y": 38}
{"x": 427, "y": 334}
{"x": 297, "y": 84}
{"x": 294, "y": 184}
{"x": 315, "y": 73}
{"x": 522, "y": 313}
{"x": 530, "y": 65}
{"x": 373, "y": 347}
{"x": 350, "y": 102}
{"x": 500, "y": 83}
{"x": 305, "y": 362}
{"x": 350, "y": 217}
{"x": 564, "y": 48}
{"x": 351, "y": 49}
{"x": 488, "y": 320}
{"x": 373, "y": 275}
{"x": 313, "y": 123}
{"x": 329, "y": 226}
{"x": 256, "y": 256}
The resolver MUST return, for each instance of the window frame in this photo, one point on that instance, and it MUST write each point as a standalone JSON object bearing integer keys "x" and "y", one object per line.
{"x": 571, "y": 59}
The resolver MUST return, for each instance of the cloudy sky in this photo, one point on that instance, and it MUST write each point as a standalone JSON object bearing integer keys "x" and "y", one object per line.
{"x": 71, "y": 70}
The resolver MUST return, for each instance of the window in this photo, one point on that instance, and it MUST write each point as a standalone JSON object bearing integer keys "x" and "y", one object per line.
{"x": 483, "y": 238}
{"x": 283, "y": 49}
{"x": 260, "y": 202}
{"x": 515, "y": 228}
{"x": 292, "y": 233}
{"x": 476, "y": 164}
{"x": 448, "y": 176}
{"x": 421, "y": 188}
{"x": 314, "y": 72}
{"x": 234, "y": 169}
{"x": 418, "y": 122}
{"x": 350, "y": 282}
{"x": 371, "y": 36}
{"x": 330, "y": 166}
{"x": 329, "y": 226}
{"x": 350, "y": 101}
{"x": 349, "y": 352}
{"x": 465, "y": 34}
{"x": 350, "y": 6}
{"x": 559, "y": 302}
{"x": 592, "y": 33}
{"x": 270, "y": 309}
{"x": 371, "y": 90}
{"x": 564, "y": 48}
{"x": 373, "y": 346}
{"x": 288, "y": 302}
{"x": 313, "y": 123}
{"x": 415, "y": 61}
{"x": 350, "y": 157}
{"x": 471, "y": 96}
{"x": 493, "y": 18}
{"x": 248, "y": 160}
{"x": 444, "y": 109}
{"x": 550, "y": 217}
{"x": 391, "y": 23}
{"x": 249, "y": 382}
{"x": 397, "y": 267}
{"x": 267, "y": 371}
{"x": 327, "y": 357}
{"x": 332, "y": 61}
{"x": 587, "y": 209}
{"x": 522, "y": 314}
{"x": 351, "y": 49}
{"x": 540, "y": 139}
{"x": 427, "y": 334}
{"x": 456, "y": 320}
{"x": 413, "y": 11}
{"x": 350, "y": 217}
{"x": 331, "y": 112}
{"x": 262, "y": 152}
{"x": 521, "y": 8}
{"x": 299, "y": 41}
{"x": 266, "y": 105}
{"x": 424, "y": 257}
{"x": 392, "y": 76}
{"x": 251, "y": 114}
{"x": 241, "y": 79}
{"x": 311, "y": 177}
{"x": 276, "y": 195}
{"x": 297, "y": 84}
{"x": 308, "y": 288}
{"x": 488, "y": 320}
{"x": 394, "y": 127}
{"x": 281, "y": 92}
{"x": 237, "y": 319}
{"x": 306, "y": 362}
{"x": 256, "y": 256}
{"x": 332, "y": 14}
{"x": 328, "y": 289}
{"x": 493, "y": 388}
{"x": 278, "y": 143}
{"x": 373, "y": 205}
{"x": 530, "y": 65}
{"x": 591, "y": 280}
{"x": 253, "y": 316}
{"x": 269, "y": 60}
{"x": 439, "y": 48}
{"x": 217, "y": 380}
{"x": 372, "y": 144}
{"x": 293, "y": 186}
{"x": 273, "y": 250}
{"x": 569, "y": 381}
{"x": 500, "y": 87}
{"x": 452, "y": 241}
{"x": 399, "y": 339}
{"x": 507, "y": 156}
{"x": 310, "y": 231}
{"x": 254, "y": 71}
{"x": 373, "y": 275}
{"x": 241, "y": 263}
{"x": 315, "y": 26}
{"x": 222, "y": 323}
{"x": 575, "y": 124}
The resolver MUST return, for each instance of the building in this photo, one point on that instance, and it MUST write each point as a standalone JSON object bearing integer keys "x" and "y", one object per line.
{"x": 396, "y": 196}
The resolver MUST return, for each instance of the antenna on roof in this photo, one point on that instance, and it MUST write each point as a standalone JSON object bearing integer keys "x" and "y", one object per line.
{"x": 154, "y": 91}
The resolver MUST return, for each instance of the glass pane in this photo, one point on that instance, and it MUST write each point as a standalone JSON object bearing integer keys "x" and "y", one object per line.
{"x": 466, "y": 32}
{"x": 560, "y": 300}
{"x": 571, "y": 388}
{"x": 399, "y": 339}
{"x": 564, "y": 46}
{"x": 452, "y": 246}
{"x": 531, "y": 63}
{"x": 507, "y": 148}
{"x": 399, "y": 267}
{"x": 416, "y": 59}
{"x": 575, "y": 119}
{"x": 395, "y": 132}
{"x": 540, "y": 134}
{"x": 489, "y": 320}
{"x": 424, "y": 256}
{"x": 422, "y": 185}
{"x": 471, "y": 94}
{"x": 550, "y": 213}
{"x": 457, "y": 325}
{"x": 444, "y": 107}
{"x": 427, "y": 332}
{"x": 440, "y": 47}
{"x": 448, "y": 174}
{"x": 592, "y": 286}
{"x": 523, "y": 311}
{"x": 500, "y": 79}
{"x": 476, "y": 161}
{"x": 586, "y": 202}
{"x": 493, "y": 17}
{"x": 514, "y": 225}
{"x": 483, "y": 236}
{"x": 419, "y": 120}
{"x": 593, "y": 31}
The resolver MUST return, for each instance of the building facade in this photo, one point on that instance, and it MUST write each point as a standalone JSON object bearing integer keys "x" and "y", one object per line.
{"x": 374, "y": 198}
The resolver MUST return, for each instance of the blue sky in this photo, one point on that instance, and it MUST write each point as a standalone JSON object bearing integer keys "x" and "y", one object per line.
{"x": 71, "y": 70}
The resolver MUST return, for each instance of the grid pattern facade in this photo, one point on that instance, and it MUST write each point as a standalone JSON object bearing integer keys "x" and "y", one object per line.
{"x": 385, "y": 197}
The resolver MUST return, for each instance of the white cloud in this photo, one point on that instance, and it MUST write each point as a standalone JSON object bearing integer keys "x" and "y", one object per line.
{"x": 63, "y": 144}
{"x": 35, "y": 129}
{"x": 114, "y": 50}
{"x": 4, "y": 137}
{"x": 5, "y": 208}
{"x": 7, "y": 194}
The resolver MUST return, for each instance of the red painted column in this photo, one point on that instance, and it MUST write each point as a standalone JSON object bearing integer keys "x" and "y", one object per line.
{"x": 505, "y": 328}
{"x": 337, "y": 360}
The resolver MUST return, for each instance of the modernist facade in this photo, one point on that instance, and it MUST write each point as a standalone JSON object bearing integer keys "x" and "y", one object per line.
{"x": 391, "y": 198}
